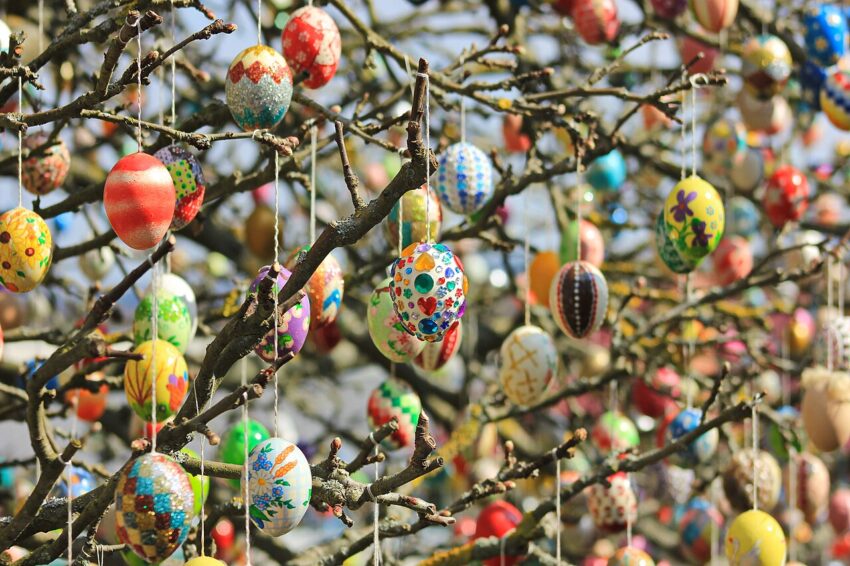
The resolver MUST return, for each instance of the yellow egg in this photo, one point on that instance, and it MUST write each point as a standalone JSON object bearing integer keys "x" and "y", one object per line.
{"x": 170, "y": 373}
{"x": 695, "y": 218}
{"x": 26, "y": 249}
{"x": 755, "y": 539}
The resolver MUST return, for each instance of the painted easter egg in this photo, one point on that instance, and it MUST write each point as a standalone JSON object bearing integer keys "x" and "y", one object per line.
{"x": 748, "y": 170}
{"x": 90, "y": 405}
{"x": 173, "y": 321}
{"x": 42, "y": 173}
{"x": 232, "y": 448}
{"x": 714, "y": 15}
{"x": 828, "y": 209}
{"x": 631, "y": 556}
{"x": 613, "y": 505}
{"x": 82, "y": 482}
{"x": 428, "y": 288}
{"x": 139, "y": 200}
{"x": 738, "y": 480}
{"x": 656, "y": 397}
{"x": 835, "y": 96}
{"x": 695, "y": 527}
{"x": 497, "y": 520}
{"x": 669, "y": 9}
{"x": 722, "y": 141}
{"x": 596, "y": 21}
{"x": 542, "y": 270}
{"x": 259, "y": 232}
{"x": 464, "y": 178}
{"x": 755, "y": 539}
{"x": 414, "y": 215}
{"x": 97, "y": 263}
{"x": 168, "y": 371}
{"x": 839, "y": 510}
{"x": 311, "y": 44}
{"x": 690, "y": 48}
{"x": 822, "y": 398}
{"x": 386, "y": 330}
{"x": 733, "y": 260}
{"x": 189, "y": 183}
{"x": 26, "y": 249}
{"x": 279, "y": 486}
{"x": 176, "y": 285}
{"x": 701, "y": 449}
{"x": 592, "y": 243}
{"x": 811, "y": 80}
{"x": 529, "y": 360}
{"x": 258, "y": 88}
{"x": 812, "y": 483}
{"x": 394, "y": 398}
{"x": 608, "y": 172}
{"x": 578, "y": 299}
{"x": 786, "y": 196}
{"x": 292, "y": 326}
{"x": 154, "y": 506}
{"x": 437, "y": 354}
{"x": 765, "y": 65}
{"x": 324, "y": 288}
{"x": 694, "y": 218}
{"x": 744, "y": 217}
{"x": 825, "y": 28}
{"x": 769, "y": 116}
{"x": 667, "y": 251}
{"x": 205, "y": 561}
{"x": 615, "y": 432}
{"x": 516, "y": 141}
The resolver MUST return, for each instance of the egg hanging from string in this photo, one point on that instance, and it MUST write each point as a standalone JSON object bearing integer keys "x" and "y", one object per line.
{"x": 612, "y": 506}
{"x": 464, "y": 178}
{"x": 200, "y": 484}
{"x": 529, "y": 361}
{"x": 189, "y": 183}
{"x": 386, "y": 329}
{"x": 786, "y": 196}
{"x": 714, "y": 15}
{"x": 232, "y": 447}
{"x": 812, "y": 484}
{"x": 739, "y": 477}
{"x": 748, "y": 170}
{"x": 324, "y": 288}
{"x": 414, "y": 226}
{"x": 596, "y": 21}
{"x": 839, "y": 510}
{"x": 592, "y": 244}
{"x": 769, "y": 116}
{"x": 835, "y": 96}
{"x": 578, "y": 299}
{"x": 765, "y": 65}
{"x": 826, "y": 31}
{"x": 690, "y": 49}
{"x": 498, "y": 519}
{"x": 154, "y": 506}
{"x": 437, "y": 354}
{"x": 395, "y": 399}
{"x": 311, "y": 44}
{"x": 170, "y": 374}
{"x": 694, "y": 218}
{"x": 279, "y": 486}
{"x": 542, "y": 270}
{"x": 292, "y": 326}
{"x": 733, "y": 260}
{"x": 723, "y": 140}
{"x": 97, "y": 263}
{"x": 744, "y": 217}
{"x": 755, "y": 539}
{"x": 176, "y": 285}
{"x": 667, "y": 252}
{"x": 615, "y": 432}
{"x": 608, "y": 172}
{"x": 695, "y": 530}
{"x": 701, "y": 449}
{"x": 428, "y": 288}
{"x": 26, "y": 250}
{"x": 631, "y": 556}
{"x": 89, "y": 405}
{"x": 173, "y": 321}
{"x": 82, "y": 482}
{"x": 41, "y": 174}
{"x": 139, "y": 200}
{"x": 824, "y": 405}
{"x": 258, "y": 88}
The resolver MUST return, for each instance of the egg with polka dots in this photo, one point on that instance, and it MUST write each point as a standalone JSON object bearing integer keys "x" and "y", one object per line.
{"x": 464, "y": 178}
{"x": 189, "y": 183}
{"x": 26, "y": 249}
{"x": 428, "y": 289}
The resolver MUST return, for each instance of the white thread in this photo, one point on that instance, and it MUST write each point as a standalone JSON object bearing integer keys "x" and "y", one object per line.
{"x": 276, "y": 291}
{"x": 313, "y": 132}
{"x": 245, "y": 493}
{"x": 40, "y": 27}
{"x": 832, "y": 338}
{"x": 401, "y": 236}
{"x": 154, "y": 338}
{"x": 20, "y": 147}
{"x": 526, "y": 258}
{"x": 462, "y": 103}
{"x": 427, "y": 155}
{"x": 203, "y": 491}
{"x": 693, "y": 127}
{"x": 612, "y": 397}
{"x": 173, "y": 67}
{"x": 579, "y": 181}
{"x": 376, "y": 514}
{"x": 557, "y": 506}
{"x": 628, "y": 518}
{"x": 139, "y": 84}
{"x": 682, "y": 130}
{"x": 686, "y": 354}
{"x": 259, "y": 22}
{"x": 755, "y": 456}
{"x": 792, "y": 501}
{"x": 840, "y": 287}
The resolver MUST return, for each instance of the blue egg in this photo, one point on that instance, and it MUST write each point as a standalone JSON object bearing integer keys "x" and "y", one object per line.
{"x": 82, "y": 481}
{"x": 744, "y": 217}
{"x": 7, "y": 477}
{"x": 607, "y": 173}
{"x": 63, "y": 221}
{"x": 29, "y": 369}
{"x": 812, "y": 78}
{"x": 699, "y": 450}
{"x": 464, "y": 178}
{"x": 825, "y": 33}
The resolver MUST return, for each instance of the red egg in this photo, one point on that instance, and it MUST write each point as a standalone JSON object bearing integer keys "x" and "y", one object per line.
{"x": 786, "y": 196}
{"x": 733, "y": 260}
{"x": 669, "y": 9}
{"x": 690, "y": 48}
{"x": 596, "y": 20}
{"x": 90, "y": 404}
{"x": 497, "y": 520}
{"x": 515, "y": 140}
{"x": 311, "y": 44}
{"x": 656, "y": 398}
{"x": 437, "y": 354}
{"x": 139, "y": 199}
{"x": 839, "y": 510}
{"x": 224, "y": 534}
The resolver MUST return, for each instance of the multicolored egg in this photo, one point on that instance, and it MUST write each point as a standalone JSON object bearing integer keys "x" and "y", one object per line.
{"x": 722, "y": 142}
{"x": 96, "y": 264}
{"x": 529, "y": 360}
{"x": 656, "y": 398}
{"x": 200, "y": 484}
{"x": 765, "y": 65}
{"x": 258, "y": 88}
{"x": 26, "y": 250}
{"x": 542, "y": 270}
{"x": 386, "y": 330}
{"x": 578, "y": 299}
{"x": 311, "y": 44}
{"x": 669, "y": 9}
{"x": 695, "y": 528}
{"x": 733, "y": 260}
{"x": 667, "y": 251}
{"x": 714, "y": 15}
{"x": 744, "y": 217}
{"x": 42, "y": 173}
{"x": 755, "y": 539}
{"x": 394, "y": 398}
{"x": 596, "y": 21}
{"x": 173, "y": 321}
{"x": 608, "y": 172}
{"x": 154, "y": 506}
{"x": 437, "y": 354}
{"x": 167, "y": 369}
{"x": 738, "y": 480}
{"x": 82, "y": 482}
{"x": 694, "y": 218}
{"x": 612, "y": 506}
{"x": 139, "y": 200}
{"x": 631, "y": 556}
{"x": 701, "y": 449}
{"x": 786, "y": 196}
{"x": 292, "y": 326}
{"x": 176, "y": 285}
{"x": 279, "y": 486}
{"x": 825, "y": 33}
{"x": 189, "y": 183}
{"x": 592, "y": 243}
{"x": 232, "y": 448}
{"x": 615, "y": 432}
{"x": 414, "y": 217}
{"x": 428, "y": 289}
{"x": 812, "y": 483}
{"x": 464, "y": 178}
{"x": 835, "y": 96}
{"x": 769, "y": 116}
{"x": 497, "y": 520}
{"x": 324, "y": 288}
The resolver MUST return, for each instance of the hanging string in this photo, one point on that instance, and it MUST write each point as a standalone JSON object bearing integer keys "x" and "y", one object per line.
{"x": 139, "y": 82}
{"x": 580, "y": 187}
{"x": 693, "y": 126}
{"x": 259, "y": 22}
{"x": 755, "y": 456}
{"x": 401, "y": 227}
{"x": 376, "y": 515}
{"x": 154, "y": 338}
{"x": 275, "y": 287}
{"x": 203, "y": 491}
{"x": 313, "y": 131}
{"x": 20, "y": 148}
{"x": 557, "y": 506}
{"x": 40, "y": 39}
{"x": 683, "y": 128}
{"x": 427, "y": 155}
{"x": 526, "y": 256}
{"x": 689, "y": 346}
{"x": 613, "y": 397}
{"x": 246, "y": 495}
{"x": 173, "y": 66}
{"x": 69, "y": 483}
{"x": 463, "y": 102}
{"x": 831, "y": 337}
{"x": 840, "y": 288}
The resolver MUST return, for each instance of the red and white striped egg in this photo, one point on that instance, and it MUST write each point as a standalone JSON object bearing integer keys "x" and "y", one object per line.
{"x": 311, "y": 44}
{"x": 578, "y": 299}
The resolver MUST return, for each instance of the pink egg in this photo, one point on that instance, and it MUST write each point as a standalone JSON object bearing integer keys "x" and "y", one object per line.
{"x": 596, "y": 20}
{"x": 839, "y": 510}
{"x": 733, "y": 260}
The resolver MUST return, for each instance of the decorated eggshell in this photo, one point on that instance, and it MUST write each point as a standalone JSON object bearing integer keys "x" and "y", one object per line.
{"x": 765, "y": 65}
{"x": 205, "y": 561}
{"x": 835, "y": 96}
{"x": 811, "y": 79}
{"x": 722, "y": 141}
{"x": 738, "y": 480}
{"x": 394, "y": 398}
{"x": 743, "y": 217}
{"x": 825, "y": 33}
{"x": 689, "y": 48}
{"x": 592, "y": 243}
{"x": 812, "y": 484}
{"x": 669, "y": 9}
{"x": 611, "y": 507}
{"x": 497, "y": 520}
{"x": 173, "y": 321}
{"x": 154, "y": 506}
{"x": 200, "y": 484}
{"x": 258, "y": 88}
{"x": 279, "y": 486}
{"x": 189, "y": 183}
{"x": 97, "y": 263}
{"x": 311, "y": 44}
{"x": 733, "y": 260}
{"x": 428, "y": 289}
{"x": 139, "y": 200}
{"x": 694, "y": 218}
{"x": 259, "y": 232}
{"x": 769, "y": 116}
{"x": 832, "y": 348}
{"x": 170, "y": 373}
{"x": 90, "y": 405}
{"x": 26, "y": 249}
{"x": 292, "y": 326}
{"x": 608, "y": 172}
{"x": 578, "y": 299}
{"x": 828, "y": 209}
{"x": 631, "y": 556}
{"x": 82, "y": 482}
{"x": 714, "y": 15}
{"x": 786, "y": 196}
{"x": 615, "y": 432}
{"x": 529, "y": 360}
{"x": 437, "y": 354}
{"x": 656, "y": 398}
{"x": 176, "y": 285}
{"x": 695, "y": 528}
{"x": 232, "y": 449}
{"x": 839, "y": 510}
{"x": 596, "y": 21}
{"x": 699, "y": 450}
{"x": 542, "y": 270}
{"x": 515, "y": 140}
{"x": 414, "y": 227}
{"x": 41, "y": 174}
{"x": 386, "y": 329}
{"x": 755, "y": 539}
{"x": 816, "y": 404}
{"x": 748, "y": 170}
{"x": 667, "y": 252}
{"x": 464, "y": 178}
{"x": 324, "y": 288}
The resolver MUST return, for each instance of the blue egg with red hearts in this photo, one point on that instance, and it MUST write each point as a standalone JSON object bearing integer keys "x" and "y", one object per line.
{"x": 825, "y": 33}
{"x": 812, "y": 78}
{"x": 607, "y": 173}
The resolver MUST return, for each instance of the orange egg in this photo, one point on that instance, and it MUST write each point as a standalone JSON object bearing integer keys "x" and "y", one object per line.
{"x": 543, "y": 269}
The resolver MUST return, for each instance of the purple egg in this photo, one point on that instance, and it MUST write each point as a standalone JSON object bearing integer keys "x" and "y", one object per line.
{"x": 292, "y": 326}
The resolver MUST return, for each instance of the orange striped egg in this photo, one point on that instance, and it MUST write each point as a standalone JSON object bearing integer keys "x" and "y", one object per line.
{"x": 715, "y": 15}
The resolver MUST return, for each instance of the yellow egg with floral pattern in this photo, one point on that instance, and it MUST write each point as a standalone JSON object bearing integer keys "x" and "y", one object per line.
{"x": 163, "y": 363}
{"x": 26, "y": 249}
{"x": 694, "y": 218}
